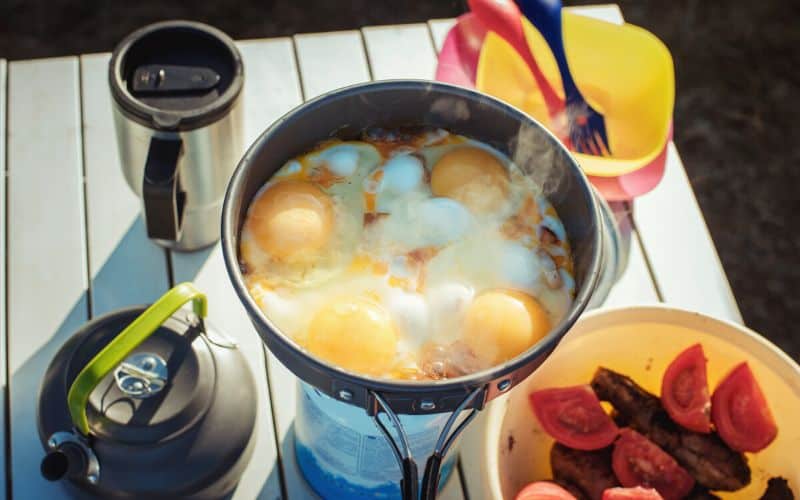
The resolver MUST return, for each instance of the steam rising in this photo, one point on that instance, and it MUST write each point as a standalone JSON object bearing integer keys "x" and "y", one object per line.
{"x": 534, "y": 154}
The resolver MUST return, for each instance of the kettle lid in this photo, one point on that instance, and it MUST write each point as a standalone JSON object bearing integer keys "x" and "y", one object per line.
{"x": 176, "y": 75}
{"x": 164, "y": 387}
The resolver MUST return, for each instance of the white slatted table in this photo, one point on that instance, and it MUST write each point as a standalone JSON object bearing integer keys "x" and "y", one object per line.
{"x": 75, "y": 247}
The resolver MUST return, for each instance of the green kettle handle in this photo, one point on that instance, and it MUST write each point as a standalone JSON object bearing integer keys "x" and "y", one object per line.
{"x": 124, "y": 343}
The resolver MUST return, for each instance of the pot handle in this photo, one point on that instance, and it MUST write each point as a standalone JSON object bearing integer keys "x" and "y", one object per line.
{"x": 409, "y": 484}
{"x": 124, "y": 343}
{"x": 161, "y": 195}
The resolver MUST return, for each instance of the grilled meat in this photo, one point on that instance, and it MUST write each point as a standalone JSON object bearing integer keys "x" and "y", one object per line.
{"x": 778, "y": 489}
{"x": 706, "y": 457}
{"x": 587, "y": 471}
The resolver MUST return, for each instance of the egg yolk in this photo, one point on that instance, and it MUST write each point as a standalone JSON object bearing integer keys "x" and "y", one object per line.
{"x": 500, "y": 324}
{"x": 471, "y": 176}
{"x": 291, "y": 218}
{"x": 354, "y": 333}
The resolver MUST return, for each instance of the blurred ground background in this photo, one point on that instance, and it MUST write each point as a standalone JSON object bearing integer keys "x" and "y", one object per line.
{"x": 738, "y": 76}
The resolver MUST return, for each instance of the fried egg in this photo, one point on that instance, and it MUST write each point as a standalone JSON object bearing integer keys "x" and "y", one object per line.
{"x": 500, "y": 324}
{"x": 472, "y": 176}
{"x": 355, "y": 333}
{"x": 290, "y": 220}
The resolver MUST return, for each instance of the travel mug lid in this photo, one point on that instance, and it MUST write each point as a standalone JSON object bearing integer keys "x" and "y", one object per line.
{"x": 176, "y": 75}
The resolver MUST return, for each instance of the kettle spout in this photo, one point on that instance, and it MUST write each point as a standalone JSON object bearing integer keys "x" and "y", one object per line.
{"x": 66, "y": 461}
{"x": 69, "y": 456}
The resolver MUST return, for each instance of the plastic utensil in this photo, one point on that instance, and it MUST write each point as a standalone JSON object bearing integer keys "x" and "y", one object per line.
{"x": 587, "y": 128}
{"x": 458, "y": 59}
{"x": 628, "y": 186}
{"x": 623, "y": 69}
{"x": 504, "y": 18}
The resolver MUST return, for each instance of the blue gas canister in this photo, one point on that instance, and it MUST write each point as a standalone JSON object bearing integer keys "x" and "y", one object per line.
{"x": 343, "y": 454}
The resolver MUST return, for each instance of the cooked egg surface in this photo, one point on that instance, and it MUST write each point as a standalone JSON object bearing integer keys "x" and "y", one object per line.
{"x": 473, "y": 177}
{"x": 410, "y": 254}
{"x": 355, "y": 333}
{"x": 500, "y": 324}
{"x": 291, "y": 219}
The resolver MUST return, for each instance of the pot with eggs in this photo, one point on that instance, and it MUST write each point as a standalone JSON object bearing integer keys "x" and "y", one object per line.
{"x": 410, "y": 250}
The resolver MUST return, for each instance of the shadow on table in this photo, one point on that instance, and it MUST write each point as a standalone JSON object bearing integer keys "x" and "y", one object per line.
{"x": 26, "y": 448}
{"x": 267, "y": 489}
{"x": 134, "y": 274}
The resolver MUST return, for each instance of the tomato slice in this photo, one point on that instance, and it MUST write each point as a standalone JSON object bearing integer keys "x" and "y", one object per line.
{"x": 573, "y": 417}
{"x": 637, "y": 493}
{"x": 740, "y": 411}
{"x": 637, "y": 461}
{"x": 544, "y": 490}
{"x": 684, "y": 390}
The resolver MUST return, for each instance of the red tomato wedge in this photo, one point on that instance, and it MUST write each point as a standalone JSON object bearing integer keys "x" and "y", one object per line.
{"x": 637, "y": 493}
{"x": 544, "y": 490}
{"x": 740, "y": 412}
{"x": 637, "y": 461}
{"x": 573, "y": 417}
{"x": 684, "y": 390}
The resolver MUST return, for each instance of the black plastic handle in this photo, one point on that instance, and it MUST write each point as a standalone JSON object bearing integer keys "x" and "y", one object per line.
{"x": 410, "y": 481}
{"x": 430, "y": 479}
{"x": 161, "y": 194}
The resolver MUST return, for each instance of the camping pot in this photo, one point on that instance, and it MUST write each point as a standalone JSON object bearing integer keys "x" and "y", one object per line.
{"x": 176, "y": 88}
{"x": 343, "y": 402}
{"x": 149, "y": 403}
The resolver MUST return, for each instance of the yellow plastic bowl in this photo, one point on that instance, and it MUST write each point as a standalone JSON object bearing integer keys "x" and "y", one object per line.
{"x": 639, "y": 342}
{"x": 624, "y": 71}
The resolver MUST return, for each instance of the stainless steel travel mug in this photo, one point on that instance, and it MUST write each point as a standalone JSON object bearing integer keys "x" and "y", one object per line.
{"x": 176, "y": 88}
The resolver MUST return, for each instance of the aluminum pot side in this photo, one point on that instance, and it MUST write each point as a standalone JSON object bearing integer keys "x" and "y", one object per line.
{"x": 345, "y": 113}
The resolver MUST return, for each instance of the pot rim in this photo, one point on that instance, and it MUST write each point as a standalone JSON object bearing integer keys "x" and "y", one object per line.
{"x": 230, "y": 236}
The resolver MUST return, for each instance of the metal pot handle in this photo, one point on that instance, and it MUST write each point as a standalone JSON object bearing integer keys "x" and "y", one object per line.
{"x": 402, "y": 451}
{"x": 124, "y": 343}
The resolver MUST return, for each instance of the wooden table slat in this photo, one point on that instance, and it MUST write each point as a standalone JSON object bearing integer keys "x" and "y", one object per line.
{"x": 47, "y": 274}
{"x": 3, "y": 393}
{"x": 439, "y": 29}
{"x": 634, "y": 285}
{"x": 271, "y": 88}
{"x": 328, "y": 61}
{"x": 126, "y": 268}
{"x": 682, "y": 255}
{"x": 402, "y": 51}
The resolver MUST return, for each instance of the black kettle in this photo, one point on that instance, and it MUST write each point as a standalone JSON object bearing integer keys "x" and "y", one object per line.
{"x": 149, "y": 403}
